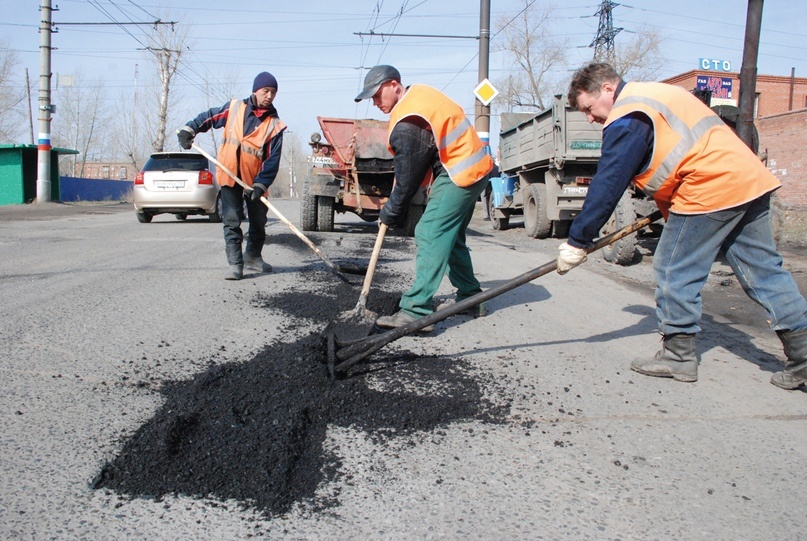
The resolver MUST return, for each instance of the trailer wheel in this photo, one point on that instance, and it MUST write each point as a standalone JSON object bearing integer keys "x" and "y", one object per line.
{"x": 498, "y": 223}
{"x": 413, "y": 215}
{"x": 536, "y": 222}
{"x": 325, "y": 213}
{"x": 308, "y": 209}
{"x": 622, "y": 251}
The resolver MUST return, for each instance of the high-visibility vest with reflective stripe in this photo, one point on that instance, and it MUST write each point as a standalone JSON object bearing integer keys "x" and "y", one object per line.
{"x": 247, "y": 163}
{"x": 699, "y": 165}
{"x": 463, "y": 154}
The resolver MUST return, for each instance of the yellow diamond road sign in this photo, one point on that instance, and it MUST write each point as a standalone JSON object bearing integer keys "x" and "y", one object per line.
{"x": 485, "y": 92}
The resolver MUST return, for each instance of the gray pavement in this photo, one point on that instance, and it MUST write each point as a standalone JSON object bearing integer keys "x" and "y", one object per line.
{"x": 98, "y": 311}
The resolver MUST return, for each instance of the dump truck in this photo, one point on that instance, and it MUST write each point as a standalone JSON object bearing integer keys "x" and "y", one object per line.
{"x": 547, "y": 161}
{"x": 351, "y": 170}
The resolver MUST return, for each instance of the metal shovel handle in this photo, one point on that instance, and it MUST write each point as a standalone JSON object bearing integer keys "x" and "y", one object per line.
{"x": 274, "y": 210}
{"x": 358, "y": 350}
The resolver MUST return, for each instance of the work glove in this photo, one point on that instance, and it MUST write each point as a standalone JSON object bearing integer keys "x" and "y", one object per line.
{"x": 569, "y": 257}
{"x": 185, "y": 137}
{"x": 257, "y": 191}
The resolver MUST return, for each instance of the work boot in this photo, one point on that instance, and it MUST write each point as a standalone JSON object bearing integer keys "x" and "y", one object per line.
{"x": 479, "y": 310}
{"x": 676, "y": 359}
{"x": 399, "y": 319}
{"x": 795, "y": 373}
{"x": 256, "y": 263}
{"x": 234, "y": 272}
{"x": 236, "y": 261}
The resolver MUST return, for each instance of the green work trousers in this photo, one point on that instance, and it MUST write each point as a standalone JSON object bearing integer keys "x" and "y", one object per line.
{"x": 441, "y": 248}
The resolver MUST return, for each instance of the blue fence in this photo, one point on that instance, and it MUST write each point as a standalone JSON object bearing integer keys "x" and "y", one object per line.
{"x": 93, "y": 189}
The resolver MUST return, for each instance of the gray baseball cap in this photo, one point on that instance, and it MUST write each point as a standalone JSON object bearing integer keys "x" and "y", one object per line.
{"x": 377, "y": 76}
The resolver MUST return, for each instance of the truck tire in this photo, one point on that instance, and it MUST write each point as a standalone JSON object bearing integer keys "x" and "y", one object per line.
{"x": 325, "y": 213}
{"x": 622, "y": 251}
{"x": 308, "y": 209}
{"x": 413, "y": 215}
{"x": 499, "y": 224}
{"x": 560, "y": 228}
{"x": 536, "y": 223}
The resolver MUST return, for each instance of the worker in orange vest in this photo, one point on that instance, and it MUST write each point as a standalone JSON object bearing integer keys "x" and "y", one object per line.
{"x": 251, "y": 148}
{"x": 430, "y": 137}
{"x": 714, "y": 193}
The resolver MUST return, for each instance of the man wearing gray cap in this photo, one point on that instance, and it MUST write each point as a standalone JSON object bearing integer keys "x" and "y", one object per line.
{"x": 432, "y": 142}
{"x": 253, "y": 142}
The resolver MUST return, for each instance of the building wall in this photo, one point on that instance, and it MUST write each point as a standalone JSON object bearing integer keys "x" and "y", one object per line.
{"x": 773, "y": 90}
{"x": 783, "y": 137}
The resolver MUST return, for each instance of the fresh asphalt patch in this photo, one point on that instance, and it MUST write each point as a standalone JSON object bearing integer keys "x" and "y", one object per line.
{"x": 255, "y": 432}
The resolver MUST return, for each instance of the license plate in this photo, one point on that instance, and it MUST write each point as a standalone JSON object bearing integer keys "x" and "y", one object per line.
{"x": 575, "y": 190}
{"x": 169, "y": 184}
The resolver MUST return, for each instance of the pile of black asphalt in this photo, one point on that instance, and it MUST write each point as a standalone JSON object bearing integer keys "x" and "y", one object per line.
{"x": 254, "y": 432}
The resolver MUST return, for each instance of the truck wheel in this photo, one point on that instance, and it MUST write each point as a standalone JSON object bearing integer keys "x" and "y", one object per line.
{"x": 308, "y": 209}
{"x": 499, "y": 224}
{"x": 560, "y": 228}
{"x": 622, "y": 251}
{"x": 413, "y": 216}
{"x": 325, "y": 213}
{"x": 536, "y": 222}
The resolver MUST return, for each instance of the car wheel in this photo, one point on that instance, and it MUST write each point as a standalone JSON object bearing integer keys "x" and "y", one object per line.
{"x": 215, "y": 217}
{"x": 536, "y": 222}
{"x": 181, "y": 216}
{"x": 144, "y": 217}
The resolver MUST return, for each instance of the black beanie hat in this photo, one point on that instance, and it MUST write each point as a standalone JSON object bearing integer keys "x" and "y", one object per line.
{"x": 264, "y": 79}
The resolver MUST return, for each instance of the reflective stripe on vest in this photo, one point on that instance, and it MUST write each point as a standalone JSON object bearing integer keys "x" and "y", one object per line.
{"x": 461, "y": 151}
{"x": 698, "y": 164}
{"x": 244, "y": 154}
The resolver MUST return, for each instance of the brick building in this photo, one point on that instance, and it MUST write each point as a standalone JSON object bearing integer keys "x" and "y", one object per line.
{"x": 781, "y": 120}
{"x": 774, "y": 94}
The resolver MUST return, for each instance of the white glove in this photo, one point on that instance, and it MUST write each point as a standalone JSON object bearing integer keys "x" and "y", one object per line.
{"x": 569, "y": 257}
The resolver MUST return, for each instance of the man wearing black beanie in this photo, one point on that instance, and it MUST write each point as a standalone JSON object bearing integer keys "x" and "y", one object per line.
{"x": 251, "y": 148}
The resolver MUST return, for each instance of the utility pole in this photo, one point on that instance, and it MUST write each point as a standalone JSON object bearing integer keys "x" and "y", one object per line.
{"x": 482, "y": 112}
{"x": 748, "y": 73}
{"x": 604, "y": 41}
{"x": 43, "y": 184}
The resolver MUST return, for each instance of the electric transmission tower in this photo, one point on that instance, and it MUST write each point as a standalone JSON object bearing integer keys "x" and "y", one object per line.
{"x": 604, "y": 42}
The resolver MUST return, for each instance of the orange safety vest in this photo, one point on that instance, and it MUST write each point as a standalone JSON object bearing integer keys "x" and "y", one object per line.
{"x": 699, "y": 165}
{"x": 462, "y": 153}
{"x": 247, "y": 163}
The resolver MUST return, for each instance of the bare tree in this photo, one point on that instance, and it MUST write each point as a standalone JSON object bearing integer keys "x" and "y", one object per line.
{"x": 536, "y": 54}
{"x": 639, "y": 58}
{"x": 81, "y": 123}
{"x": 12, "y": 97}
{"x": 167, "y": 44}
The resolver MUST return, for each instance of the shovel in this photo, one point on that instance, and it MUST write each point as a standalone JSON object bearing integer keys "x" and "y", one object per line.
{"x": 338, "y": 269}
{"x": 356, "y": 323}
{"x": 354, "y": 351}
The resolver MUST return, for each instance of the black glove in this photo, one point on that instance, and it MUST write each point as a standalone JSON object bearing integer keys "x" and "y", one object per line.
{"x": 257, "y": 191}
{"x": 185, "y": 137}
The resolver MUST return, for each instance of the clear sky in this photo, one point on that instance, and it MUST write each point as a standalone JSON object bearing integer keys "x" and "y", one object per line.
{"x": 312, "y": 48}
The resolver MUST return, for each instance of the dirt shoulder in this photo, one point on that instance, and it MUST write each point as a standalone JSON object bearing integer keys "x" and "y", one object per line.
{"x": 53, "y": 209}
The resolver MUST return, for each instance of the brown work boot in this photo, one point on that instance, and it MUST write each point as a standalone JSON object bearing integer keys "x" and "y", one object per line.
{"x": 676, "y": 359}
{"x": 795, "y": 373}
{"x": 399, "y": 319}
